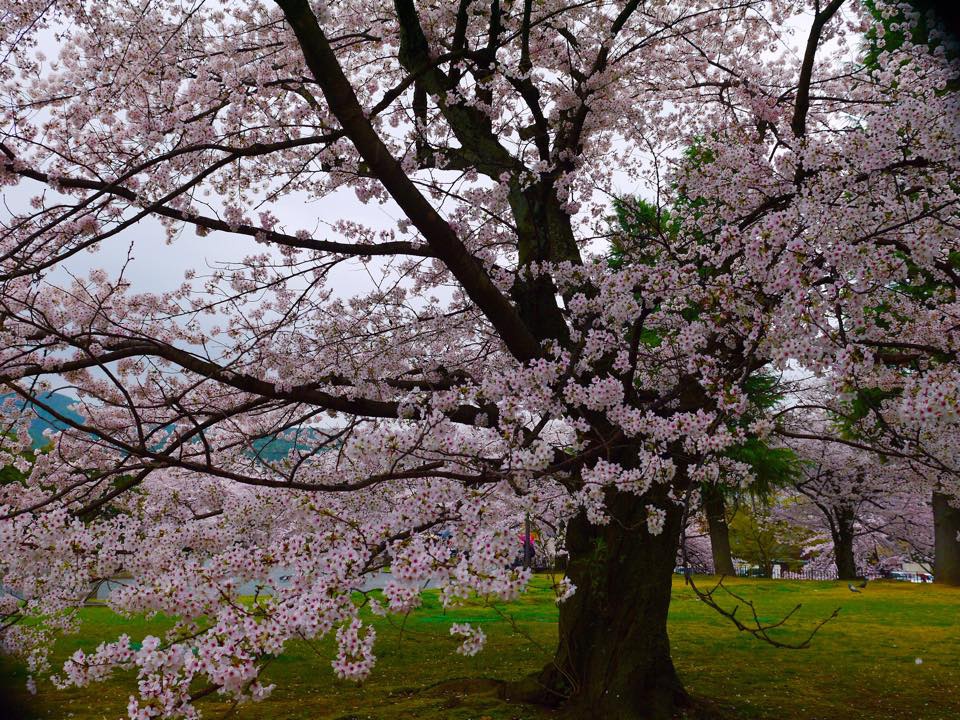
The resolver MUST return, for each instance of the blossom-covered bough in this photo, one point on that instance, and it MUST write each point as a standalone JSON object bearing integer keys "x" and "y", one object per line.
{"x": 493, "y": 363}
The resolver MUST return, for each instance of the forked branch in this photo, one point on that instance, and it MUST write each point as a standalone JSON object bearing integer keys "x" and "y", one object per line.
{"x": 754, "y": 625}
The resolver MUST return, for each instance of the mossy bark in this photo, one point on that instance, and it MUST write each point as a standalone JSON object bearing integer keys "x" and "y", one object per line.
{"x": 843, "y": 534}
{"x": 946, "y": 529}
{"x": 613, "y": 656}
{"x": 715, "y": 509}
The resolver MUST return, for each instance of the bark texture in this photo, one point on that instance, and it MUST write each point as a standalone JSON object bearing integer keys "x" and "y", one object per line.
{"x": 613, "y": 658}
{"x": 843, "y": 532}
{"x": 946, "y": 529}
{"x": 716, "y": 511}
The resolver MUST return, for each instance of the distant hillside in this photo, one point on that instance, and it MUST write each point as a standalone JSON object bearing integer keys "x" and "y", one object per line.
{"x": 274, "y": 449}
{"x": 59, "y": 403}
{"x": 268, "y": 449}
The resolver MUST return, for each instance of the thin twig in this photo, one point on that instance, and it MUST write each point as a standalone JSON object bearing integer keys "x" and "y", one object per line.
{"x": 755, "y": 627}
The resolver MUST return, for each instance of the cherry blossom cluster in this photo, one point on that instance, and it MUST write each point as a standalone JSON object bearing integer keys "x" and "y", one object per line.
{"x": 474, "y": 638}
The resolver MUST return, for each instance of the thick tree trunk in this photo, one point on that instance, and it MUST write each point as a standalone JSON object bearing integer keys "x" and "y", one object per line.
{"x": 613, "y": 657}
{"x": 946, "y": 527}
{"x": 715, "y": 509}
{"x": 843, "y": 544}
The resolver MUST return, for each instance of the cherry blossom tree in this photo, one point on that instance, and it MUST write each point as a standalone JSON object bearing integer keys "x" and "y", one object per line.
{"x": 867, "y": 511}
{"x": 902, "y": 402}
{"x": 867, "y": 482}
{"x": 493, "y": 364}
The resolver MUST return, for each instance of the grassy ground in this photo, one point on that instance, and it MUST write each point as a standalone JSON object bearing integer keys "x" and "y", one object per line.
{"x": 863, "y": 665}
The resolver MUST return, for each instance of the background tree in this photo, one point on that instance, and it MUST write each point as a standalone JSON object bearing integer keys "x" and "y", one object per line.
{"x": 903, "y": 402}
{"x": 867, "y": 509}
{"x": 762, "y": 537}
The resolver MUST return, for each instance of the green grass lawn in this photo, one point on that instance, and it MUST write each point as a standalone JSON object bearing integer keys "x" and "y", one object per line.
{"x": 861, "y": 665}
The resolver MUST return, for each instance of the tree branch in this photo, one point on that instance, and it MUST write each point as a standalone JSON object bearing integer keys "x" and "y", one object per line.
{"x": 802, "y": 105}
{"x": 755, "y": 627}
{"x": 343, "y": 103}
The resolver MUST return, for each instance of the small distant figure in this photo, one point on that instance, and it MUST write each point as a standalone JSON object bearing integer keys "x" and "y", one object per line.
{"x": 852, "y": 588}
